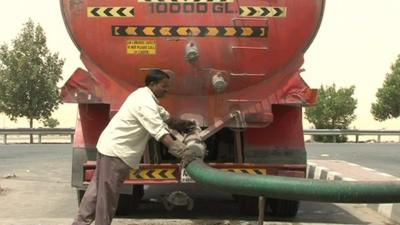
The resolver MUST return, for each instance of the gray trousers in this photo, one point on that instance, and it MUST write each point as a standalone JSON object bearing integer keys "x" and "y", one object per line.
{"x": 101, "y": 197}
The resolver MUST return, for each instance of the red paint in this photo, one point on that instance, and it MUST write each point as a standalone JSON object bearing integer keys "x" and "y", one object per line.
{"x": 114, "y": 73}
{"x": 286, "y": 130}
{"x": 272, "y": 65}
{"x": 281, "y": 169}
{"x": 92, "y": 119}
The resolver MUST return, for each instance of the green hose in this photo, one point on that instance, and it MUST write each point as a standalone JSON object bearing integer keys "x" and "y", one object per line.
{"x": 291, "y": 188}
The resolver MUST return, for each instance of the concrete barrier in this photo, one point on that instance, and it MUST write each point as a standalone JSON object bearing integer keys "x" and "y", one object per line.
{"x": 342, "y": 170}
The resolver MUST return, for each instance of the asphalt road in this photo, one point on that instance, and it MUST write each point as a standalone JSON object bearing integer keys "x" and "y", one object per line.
{"x": 42, "y": 184}
{"x": 381, "y": 157}
{"x": 41, "y": 189}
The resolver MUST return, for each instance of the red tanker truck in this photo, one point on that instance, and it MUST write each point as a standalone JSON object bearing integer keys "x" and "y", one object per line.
{"x": 235, "y": 66}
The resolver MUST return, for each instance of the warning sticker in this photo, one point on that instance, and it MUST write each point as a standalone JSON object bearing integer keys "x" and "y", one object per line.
{"x": 185, "y": 178}
{"x": 142, "y": 47}
{"x": 192, "y": 31}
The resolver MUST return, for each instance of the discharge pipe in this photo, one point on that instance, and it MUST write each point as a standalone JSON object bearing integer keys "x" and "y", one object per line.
{"x": 292, "y": 188}
{"x": 279, "y": 187}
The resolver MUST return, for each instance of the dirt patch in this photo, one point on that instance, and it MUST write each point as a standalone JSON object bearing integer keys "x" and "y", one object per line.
{"x": 2, "y": 191}
{"x": 9, "y": 176}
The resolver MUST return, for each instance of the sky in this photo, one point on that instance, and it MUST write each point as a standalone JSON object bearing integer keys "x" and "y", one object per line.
{"x": 357, "y": 42}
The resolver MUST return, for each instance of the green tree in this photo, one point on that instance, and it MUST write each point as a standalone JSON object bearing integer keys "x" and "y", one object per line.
{"x": 335, "y": 110}
{"x": 51, "y": 122}
{"x": 29, "y": 73}
{"x": 388, "y": 97}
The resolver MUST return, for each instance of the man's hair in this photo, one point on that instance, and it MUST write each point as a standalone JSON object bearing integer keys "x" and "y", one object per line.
{"x": 155, "y": 76}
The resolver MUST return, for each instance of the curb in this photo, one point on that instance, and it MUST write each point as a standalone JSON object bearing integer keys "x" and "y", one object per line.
{"x": 389, "y": 210}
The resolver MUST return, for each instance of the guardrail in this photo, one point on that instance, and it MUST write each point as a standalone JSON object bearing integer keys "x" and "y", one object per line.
{"x": 356, "y": 133}
{"x": 69, "y": 132}
{"x": 39, "y": 132}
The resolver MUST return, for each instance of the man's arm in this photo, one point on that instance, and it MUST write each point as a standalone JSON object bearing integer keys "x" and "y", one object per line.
{"x": 167, "y": 140}
{"x": 175, "y": 147}
{"x": 180, "y": 125}
{"x": 181, "y": 151}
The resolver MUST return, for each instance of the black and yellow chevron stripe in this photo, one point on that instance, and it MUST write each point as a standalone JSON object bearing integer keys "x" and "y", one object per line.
{"x": 197, "y": 31}
{"x": 185, "y": 1}
{"x": 247, "y": 171}
{"x": 110, "y": 12}
{"x": 148, "y": 174}
{"x": 263, "y": 11}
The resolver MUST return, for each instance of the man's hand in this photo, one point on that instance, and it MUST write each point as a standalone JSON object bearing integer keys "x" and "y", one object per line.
{"x": 177, "y": 148}
{"x": 191, "y": 154}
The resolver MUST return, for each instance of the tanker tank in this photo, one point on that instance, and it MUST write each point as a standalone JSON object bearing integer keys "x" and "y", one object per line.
{"x": 235, "y": 66}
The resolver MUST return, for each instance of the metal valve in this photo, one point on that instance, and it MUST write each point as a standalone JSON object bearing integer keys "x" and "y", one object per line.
{"x": 191, "y": 52}
{"x": 219, "y": 82}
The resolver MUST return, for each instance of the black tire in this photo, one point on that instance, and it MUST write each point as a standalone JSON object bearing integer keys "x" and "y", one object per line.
{"x": 79, "y": 195}
{"x": 128, "y": 203}
{"x": 248, "y": 205}
{"x": 138, "y": 191}
{"x": 283, "y": 208}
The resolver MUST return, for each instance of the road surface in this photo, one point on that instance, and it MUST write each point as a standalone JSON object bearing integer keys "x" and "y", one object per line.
{"x": 40, "y": 192}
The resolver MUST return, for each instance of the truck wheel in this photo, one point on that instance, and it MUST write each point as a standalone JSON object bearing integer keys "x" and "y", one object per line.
{"x": 125, "y": 203}
{"x": 248, "y": 205}
{"x": 128, "y": 203}
{"x": 138, "y": 191}
{"x": 79, "y": 195}
{"x": 283, "y": 208}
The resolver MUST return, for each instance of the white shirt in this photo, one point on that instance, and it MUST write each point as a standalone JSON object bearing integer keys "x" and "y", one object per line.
{"x": 139, "y": 117}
